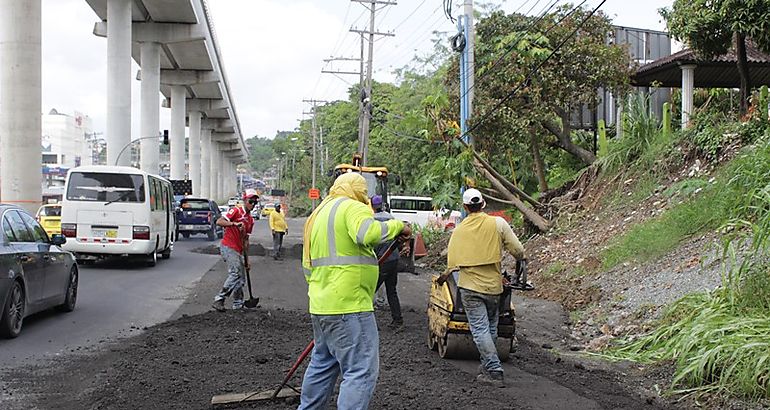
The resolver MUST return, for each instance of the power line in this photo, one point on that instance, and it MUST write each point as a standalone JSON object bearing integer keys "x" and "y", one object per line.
{"x": 515, "y": 41}
{"x": 532, "y": 71}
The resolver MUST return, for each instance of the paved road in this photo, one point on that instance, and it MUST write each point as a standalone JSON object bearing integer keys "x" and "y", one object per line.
{"x": 115, "y": 299}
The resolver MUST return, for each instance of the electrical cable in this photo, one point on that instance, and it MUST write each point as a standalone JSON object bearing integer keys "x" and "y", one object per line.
{"x": 513, "y": 43}
{"x": 534, "y": 70}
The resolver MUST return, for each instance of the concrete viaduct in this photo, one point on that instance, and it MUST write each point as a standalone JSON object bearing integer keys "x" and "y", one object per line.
{"x": 175, "y": 44}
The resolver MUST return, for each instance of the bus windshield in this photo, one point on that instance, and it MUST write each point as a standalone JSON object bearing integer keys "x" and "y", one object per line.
{"x": 105, "y": 187}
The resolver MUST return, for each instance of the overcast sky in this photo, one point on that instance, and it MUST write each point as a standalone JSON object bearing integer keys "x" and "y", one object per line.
{"x": 273, "y": 51}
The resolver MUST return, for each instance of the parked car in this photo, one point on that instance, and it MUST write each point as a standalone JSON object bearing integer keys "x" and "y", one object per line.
{"x": 199, "y": 216}
{"x": 35, "y": 272}
{"x": 49, "y": 217}
{"x": 267, "y": 209}
{"x": 233, "y": 201}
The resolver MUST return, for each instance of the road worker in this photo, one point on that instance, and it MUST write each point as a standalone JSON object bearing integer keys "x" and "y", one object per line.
{"x": 238, "y": 224}
{"x": 389, "y": 267}
{"x": 341, "y": 270}
{"x": 475, "y": 247}
{"x": 278, "y": 228}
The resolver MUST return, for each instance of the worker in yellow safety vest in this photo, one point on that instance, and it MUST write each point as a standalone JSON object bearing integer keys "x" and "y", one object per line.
{"x": 341, "y": 271}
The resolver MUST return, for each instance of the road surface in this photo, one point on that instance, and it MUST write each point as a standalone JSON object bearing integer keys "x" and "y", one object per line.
{"x": 115, "y": 299}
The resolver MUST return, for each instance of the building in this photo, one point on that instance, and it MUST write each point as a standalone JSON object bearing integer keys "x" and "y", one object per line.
{"x": 68, "y": 141}
{"x": 643, "y": 46}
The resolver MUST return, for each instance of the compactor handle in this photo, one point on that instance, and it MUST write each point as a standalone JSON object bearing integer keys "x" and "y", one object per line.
{"x": 520, "y": 282}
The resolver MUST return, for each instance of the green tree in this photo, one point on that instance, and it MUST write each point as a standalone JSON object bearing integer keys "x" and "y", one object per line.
{"x": 261, "y": 154}
{"x": 712, "y": 27}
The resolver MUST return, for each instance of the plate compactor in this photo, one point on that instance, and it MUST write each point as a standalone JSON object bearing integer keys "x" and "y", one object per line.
{"x": 449, "y": 332}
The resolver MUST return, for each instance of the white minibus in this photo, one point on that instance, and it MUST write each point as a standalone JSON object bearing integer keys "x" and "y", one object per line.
{"x": 419, "y": 210}
{"x": 111, "y": 210}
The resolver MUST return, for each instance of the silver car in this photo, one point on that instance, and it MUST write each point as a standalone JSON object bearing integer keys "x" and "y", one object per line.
{"x": 35, "y": 272}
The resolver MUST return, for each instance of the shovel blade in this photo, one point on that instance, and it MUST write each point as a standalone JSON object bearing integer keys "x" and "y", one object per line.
{"x": 252, "y": 303}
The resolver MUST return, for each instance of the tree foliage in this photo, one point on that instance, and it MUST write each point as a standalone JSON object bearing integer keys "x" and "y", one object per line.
{"x": 712, "y": 27}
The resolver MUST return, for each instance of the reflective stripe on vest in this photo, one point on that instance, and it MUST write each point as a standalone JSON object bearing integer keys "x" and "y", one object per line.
{"x": 333, "y": 259}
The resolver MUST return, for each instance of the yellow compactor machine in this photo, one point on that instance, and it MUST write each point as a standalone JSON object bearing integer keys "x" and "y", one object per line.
{"x": 449, "y": 332}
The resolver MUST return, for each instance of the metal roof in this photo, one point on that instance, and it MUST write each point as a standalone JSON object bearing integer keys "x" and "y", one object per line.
{"x": 194, "y": 53}
{"x": 718, "y": 72}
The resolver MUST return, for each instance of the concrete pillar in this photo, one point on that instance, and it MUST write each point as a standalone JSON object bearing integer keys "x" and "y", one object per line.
{"x": 688, "y": 82}
{"x": 150, "y": 56}
{"x": 206, "y": 163}
{"x": 20, "y": 103}
{"x": 118, "y": 81}
{"x": 195, "y": 150}
{"x": 178, "y": 104}
{"x": 221, "y": 175}
{"x": 213, "y": 178}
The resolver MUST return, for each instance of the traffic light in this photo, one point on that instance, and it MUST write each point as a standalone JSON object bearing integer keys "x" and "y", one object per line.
{"x": 165, "y": 137}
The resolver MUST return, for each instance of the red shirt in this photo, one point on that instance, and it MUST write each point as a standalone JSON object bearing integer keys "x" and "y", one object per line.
{"x": 233, "y": 237}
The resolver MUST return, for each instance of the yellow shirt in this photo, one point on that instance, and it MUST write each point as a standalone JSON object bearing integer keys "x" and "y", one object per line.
{"x": 277, "y": 222}
{"x": 487, "y": 278}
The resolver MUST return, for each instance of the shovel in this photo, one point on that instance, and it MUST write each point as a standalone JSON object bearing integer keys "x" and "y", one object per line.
{"x": 278, "y": 392}
{"x": 252, "y": 302}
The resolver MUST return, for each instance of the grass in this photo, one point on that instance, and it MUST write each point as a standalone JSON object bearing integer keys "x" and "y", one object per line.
{"x": 719, "y": 341}
{"x": 729, "y": 198}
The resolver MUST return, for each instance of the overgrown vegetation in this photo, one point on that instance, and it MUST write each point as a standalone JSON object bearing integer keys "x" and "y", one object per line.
{"x": 703, "y": 205}
{"x": 719, "y": 340}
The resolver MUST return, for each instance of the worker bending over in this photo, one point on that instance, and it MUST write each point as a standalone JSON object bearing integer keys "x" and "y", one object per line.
{"x": 278, "y": 228}
{"x": 475, "y": 247}
{"x": 238, "y": 224}
{"x": 341, "y": 271}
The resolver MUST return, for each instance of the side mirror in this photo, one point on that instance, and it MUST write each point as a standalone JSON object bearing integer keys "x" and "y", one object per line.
{"x": 58, "y": 240}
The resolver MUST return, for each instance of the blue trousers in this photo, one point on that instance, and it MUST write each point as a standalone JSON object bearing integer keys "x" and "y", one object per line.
{"x": 346, "y": 345}
{"x": 483, "y": 315}
{"x": 235, "y": 279}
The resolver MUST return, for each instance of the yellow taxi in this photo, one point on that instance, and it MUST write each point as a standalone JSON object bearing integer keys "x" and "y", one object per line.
{"x": 49, "y": 217}
{"x": 267, "y": 209}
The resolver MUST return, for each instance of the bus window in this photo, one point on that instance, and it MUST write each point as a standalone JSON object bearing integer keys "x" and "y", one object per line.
{"x": 105, "y": 187}
{"x": 153, "y": 194}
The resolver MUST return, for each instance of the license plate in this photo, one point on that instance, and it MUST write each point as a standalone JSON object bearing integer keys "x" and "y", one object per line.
{"x": 188, "y": 227}
{"x": 105, "y": 233}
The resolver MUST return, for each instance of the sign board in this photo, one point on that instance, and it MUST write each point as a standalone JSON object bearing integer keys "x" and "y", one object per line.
{"x": 278, "y": 192}
{"x": 314, "y": 193}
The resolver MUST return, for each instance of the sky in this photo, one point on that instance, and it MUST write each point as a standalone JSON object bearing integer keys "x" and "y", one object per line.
{"x": 273, "y": 52}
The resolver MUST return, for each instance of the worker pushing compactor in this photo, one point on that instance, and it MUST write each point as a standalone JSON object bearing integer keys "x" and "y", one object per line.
{"x": 475, "y": 248}
{"x": 341, "y": 270}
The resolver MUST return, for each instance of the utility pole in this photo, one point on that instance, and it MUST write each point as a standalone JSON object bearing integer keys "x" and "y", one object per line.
{"x": 470, "y": 44}
{"x": 321, "y": 148}
{"x": 313, "y": 134}
{"x": 366, "y": 97}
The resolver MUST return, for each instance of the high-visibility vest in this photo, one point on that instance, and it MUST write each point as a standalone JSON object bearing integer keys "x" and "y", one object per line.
{"x": 343, "y": 270}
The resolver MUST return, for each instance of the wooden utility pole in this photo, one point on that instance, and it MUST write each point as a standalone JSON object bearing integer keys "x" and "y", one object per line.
{"x": 366, "y": 96}
{"x": 313, "y": 136}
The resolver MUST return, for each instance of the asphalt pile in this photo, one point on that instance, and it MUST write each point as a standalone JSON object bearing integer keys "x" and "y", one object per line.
{"x": 183, "y": 363}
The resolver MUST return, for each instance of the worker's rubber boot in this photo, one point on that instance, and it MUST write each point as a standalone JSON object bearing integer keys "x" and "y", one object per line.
{"x": 219, "y": 305}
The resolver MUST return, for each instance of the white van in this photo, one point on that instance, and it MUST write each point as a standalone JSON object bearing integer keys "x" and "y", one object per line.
{"x": 419, "y": 210}
{"x": 109, "y": 210}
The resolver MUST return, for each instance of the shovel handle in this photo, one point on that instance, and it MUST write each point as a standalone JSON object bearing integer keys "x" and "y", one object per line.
{"x": 305, "y": 353}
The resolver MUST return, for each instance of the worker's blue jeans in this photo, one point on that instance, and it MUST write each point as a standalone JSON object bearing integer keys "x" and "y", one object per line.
{"x": 235, "y": 276}
{"x": 347, "y": 344}
{"x": 482, "y": 312}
